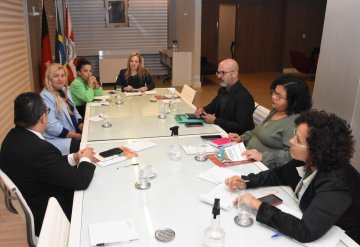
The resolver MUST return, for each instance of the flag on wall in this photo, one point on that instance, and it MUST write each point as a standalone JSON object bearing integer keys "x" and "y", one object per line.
{"x": 46, "y": 57}
{"x": 70, "y": 46}
{"x": 60, "y": 56}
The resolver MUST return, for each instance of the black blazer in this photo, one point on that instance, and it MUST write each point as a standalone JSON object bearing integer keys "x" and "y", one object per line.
{"x": 233, "y": 110}
{"x": 332, "y": 198}
{"x": 40, "y": 171}
{"x": 134, "y": 81}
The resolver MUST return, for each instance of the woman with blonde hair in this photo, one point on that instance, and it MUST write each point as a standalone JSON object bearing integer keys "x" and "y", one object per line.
{"x": 64, "y": 121}
{"x": 135, "y": 76}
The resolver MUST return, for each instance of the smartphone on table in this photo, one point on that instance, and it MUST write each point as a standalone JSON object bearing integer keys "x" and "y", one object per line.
{"x": 271, "y": 199}
{"x": 210, "y": 137}
{"x": 194, "y": 124}
{"x": 111, "y": 152}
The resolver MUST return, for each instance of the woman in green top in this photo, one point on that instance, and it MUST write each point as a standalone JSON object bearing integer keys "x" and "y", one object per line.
{"x": 85, "y": 86}
{"x": 269, "y": 142}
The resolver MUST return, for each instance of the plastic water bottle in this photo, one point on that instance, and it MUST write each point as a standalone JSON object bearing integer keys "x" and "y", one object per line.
{"x": 214, "y": 235}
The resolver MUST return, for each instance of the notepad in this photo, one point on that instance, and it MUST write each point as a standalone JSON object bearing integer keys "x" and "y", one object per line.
{"x": 217, "y": 175}
{"x": 103, "y": 97}
{"x": 112, "y": 232}
{"x": 223, "y": 193}
{"x": 192, "y": 149}
{"x": 140, "y": 145}
{"x": 222, "y": 142}
{"x": 151, "y": 92}
{"x": 138, "y": 93}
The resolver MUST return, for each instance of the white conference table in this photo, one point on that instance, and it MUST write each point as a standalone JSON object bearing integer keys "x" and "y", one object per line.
{"x": 137, "y": 117}
{"x": 172, "y": 201}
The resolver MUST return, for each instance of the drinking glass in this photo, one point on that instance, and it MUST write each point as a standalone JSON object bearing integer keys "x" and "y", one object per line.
{"x": 201, "y": 152}
{"x": 144, "y": 172}
{"x": 243, "y": 217}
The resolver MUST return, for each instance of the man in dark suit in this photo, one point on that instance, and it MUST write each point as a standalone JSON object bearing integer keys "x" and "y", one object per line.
{"x": 233, "y": 106}
{"x": 37, "y": 167}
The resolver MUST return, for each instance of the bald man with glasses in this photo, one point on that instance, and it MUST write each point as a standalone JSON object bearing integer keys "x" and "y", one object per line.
{"x": 233, "y": 106}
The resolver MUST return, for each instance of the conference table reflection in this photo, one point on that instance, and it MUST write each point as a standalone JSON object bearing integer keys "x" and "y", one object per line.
{"x": 137, "y": 117}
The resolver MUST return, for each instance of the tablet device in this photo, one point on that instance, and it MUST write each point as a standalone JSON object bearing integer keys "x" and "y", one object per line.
{"x": 190, "y": 116}
{"x": 271, "y": 199}
{"x": 111, "y": 152}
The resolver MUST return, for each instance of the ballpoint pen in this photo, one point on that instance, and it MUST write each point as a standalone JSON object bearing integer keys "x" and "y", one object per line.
{"x": 276, "y": 235}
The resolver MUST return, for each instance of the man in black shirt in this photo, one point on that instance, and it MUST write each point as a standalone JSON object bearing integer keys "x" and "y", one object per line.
{"x": 233, "y": 106}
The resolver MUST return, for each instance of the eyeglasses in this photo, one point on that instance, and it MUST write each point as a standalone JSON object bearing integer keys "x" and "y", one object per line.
{"x": 222, "y": 73}
{"x": 48, "y": 110}
{"x": 277, "y": 95}
{"x": 294, "y": 142}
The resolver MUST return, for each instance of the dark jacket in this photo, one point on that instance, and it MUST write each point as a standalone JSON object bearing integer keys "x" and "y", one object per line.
{"x": 332, "y": 198}
{"x": 233, "y": 109}
{"x": 40, "y": 171}
{"x": 134, "y": 81}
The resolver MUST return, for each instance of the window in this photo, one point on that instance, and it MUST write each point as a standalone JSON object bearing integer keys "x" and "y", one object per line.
{"x": 116, "y": 13}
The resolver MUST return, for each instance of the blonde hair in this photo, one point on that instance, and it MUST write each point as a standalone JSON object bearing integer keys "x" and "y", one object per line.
{"x": 142, "y": 72}
{"x": 50, "y": 71}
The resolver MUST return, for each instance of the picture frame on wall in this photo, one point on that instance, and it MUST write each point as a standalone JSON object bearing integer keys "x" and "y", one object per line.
{"x": 116, "y": 13}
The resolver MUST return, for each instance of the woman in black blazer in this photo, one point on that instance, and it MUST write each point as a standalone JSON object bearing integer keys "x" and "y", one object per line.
{"x": 326, "y": 185}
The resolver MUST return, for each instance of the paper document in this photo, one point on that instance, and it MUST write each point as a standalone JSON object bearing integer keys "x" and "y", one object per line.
{"x": 100, "y": 103}
{"x": 192, "y": 149}
{"x": 235, "y": 153}
{"x": 103, "y": 97}
{"x": 151, "y": 92}
{"x": 217, "y": 175}
{"x": 223, "y": 193}
{"x": 330, "y": 239}
{"x": 140, "y": 145}
{"x": 138, "y": 93}
{"x": 96, "y": 118}
{"x": 112, "y": 232}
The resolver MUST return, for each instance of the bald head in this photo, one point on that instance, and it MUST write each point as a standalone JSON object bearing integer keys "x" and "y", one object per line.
{"x": 228, "y": 72}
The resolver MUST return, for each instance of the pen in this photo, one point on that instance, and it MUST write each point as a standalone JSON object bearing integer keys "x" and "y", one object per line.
{"x": 101, "y": 244}
{"x": 276, "y": 235}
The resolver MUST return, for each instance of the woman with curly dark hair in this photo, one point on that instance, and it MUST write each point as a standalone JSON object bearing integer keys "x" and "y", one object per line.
{"x": 269, "y": 142}
{"x": 326, "y": 185}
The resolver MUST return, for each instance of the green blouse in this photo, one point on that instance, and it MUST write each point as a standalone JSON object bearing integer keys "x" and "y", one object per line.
{"x": 271, "y": 138}
{"x": 82, "y": 93}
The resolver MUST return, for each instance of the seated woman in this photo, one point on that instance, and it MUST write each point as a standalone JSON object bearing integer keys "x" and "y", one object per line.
{"x": 64, "y": 122}
{"x": 326, "y": 185}
{"x": 269, "y": 142}
{"x": 135, "y": 76}
{"x": 85, "y": 86}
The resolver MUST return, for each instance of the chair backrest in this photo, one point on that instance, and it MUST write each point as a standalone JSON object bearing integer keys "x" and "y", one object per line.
{"x": 55, "y": 227}
{"x": 260, "y": 114}
{"x": 302, "y": 63}
{"x": 188, "y": 94}
{"x": 18, "y": 201}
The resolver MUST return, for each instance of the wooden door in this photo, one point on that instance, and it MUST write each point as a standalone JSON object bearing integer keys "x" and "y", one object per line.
{"x": 210, "y": 31}
{"x": 259, "y": 35}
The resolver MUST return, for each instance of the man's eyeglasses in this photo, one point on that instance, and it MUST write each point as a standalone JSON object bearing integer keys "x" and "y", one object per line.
{"x": 277, "y": 95}
{"x": 48, "y": 110}
{"x": 222, "y": 73}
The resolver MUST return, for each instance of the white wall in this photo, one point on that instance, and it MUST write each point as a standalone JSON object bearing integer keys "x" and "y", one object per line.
{"x": 337, "y": 84}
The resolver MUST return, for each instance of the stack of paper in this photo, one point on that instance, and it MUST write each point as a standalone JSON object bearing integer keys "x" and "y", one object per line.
{"x": 112, "y": 232}
{"x": 192, "y": 149}
{"x": 140, "y": 145}
{"x": 235, "y": 153}
{"x": 151, "y": 92}
{"x": 137, "y": 93}
{"x": 217, "y": 175}
{"x": 223, "y": 193}
{"x": 222, "y": 142}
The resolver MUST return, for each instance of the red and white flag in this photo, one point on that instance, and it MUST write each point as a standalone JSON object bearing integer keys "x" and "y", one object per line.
{"x": 46, "y": 58}
{"x": 71, "y": 58}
